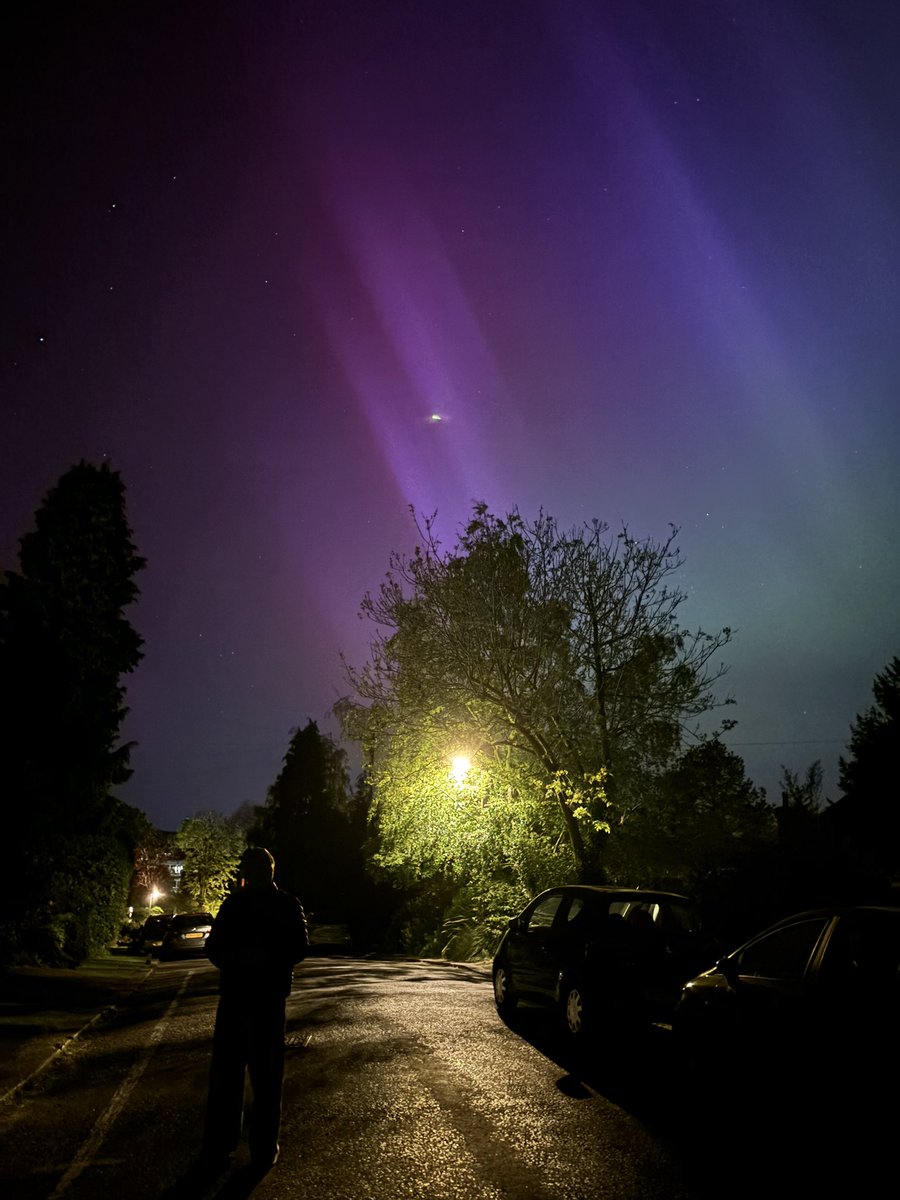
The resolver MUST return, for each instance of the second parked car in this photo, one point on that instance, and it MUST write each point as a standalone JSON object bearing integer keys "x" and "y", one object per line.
{"x": 187, "y": 934}
{"x": 150, "y": 939}
{"x": 813, "y": 1000}
{"x": 602, "y": 957}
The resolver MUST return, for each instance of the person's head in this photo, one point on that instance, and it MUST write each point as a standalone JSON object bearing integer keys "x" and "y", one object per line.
{"x": 257, "y": 867}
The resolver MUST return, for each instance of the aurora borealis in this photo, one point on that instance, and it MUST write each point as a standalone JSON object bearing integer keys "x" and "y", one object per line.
{"x": 641, "y": 258}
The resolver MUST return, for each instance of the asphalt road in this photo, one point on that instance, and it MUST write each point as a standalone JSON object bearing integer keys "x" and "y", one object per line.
{"x": 401, "y": 1082}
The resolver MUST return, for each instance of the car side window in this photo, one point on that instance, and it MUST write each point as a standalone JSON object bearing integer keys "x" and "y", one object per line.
{"x": 542, "y": 915}
{"x": 784, "y": 954}
{"x": 864, "y": 950}
{"x": 678, "y": 918}
{"x": 575, "y": 918}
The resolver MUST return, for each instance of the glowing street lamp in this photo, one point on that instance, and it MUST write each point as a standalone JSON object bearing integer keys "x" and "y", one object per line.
{"x": 460, "y": 765}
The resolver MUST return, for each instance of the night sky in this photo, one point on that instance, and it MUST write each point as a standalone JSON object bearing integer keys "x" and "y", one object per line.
{"x": 641, "y": 258}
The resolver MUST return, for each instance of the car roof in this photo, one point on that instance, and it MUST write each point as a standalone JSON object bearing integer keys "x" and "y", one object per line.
{"x": 618, "y": 893}
{"x": 817, "y": 914}
{"x": 839, "y": 910}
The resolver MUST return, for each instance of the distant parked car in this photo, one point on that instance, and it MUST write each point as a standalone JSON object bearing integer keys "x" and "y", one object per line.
{"x": 328, "y": 939}
{"x": 600, "y": 956}
{"x": 187, "y": 934}
{"x": 813, "y": 999}
{"x": 152, "y": 933}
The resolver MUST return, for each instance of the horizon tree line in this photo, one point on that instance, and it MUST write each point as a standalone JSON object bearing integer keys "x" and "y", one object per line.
{"x": 552, "y": 662}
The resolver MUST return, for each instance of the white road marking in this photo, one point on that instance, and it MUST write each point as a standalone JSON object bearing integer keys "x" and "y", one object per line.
{"x": 103, "y": 1124}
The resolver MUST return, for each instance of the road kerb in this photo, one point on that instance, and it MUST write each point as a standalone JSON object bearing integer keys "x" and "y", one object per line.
{"x": 11, "y": 1093}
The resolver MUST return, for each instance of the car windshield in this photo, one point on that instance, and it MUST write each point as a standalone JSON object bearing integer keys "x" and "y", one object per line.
{"x": 191, "y": 920}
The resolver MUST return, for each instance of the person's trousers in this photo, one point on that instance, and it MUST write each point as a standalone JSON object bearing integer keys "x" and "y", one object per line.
{"x": 249, "y": 1037}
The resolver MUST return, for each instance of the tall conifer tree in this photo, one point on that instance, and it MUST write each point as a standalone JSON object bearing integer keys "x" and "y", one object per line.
{"x": 305, "y": 821}
{"x": 65, "y": 644}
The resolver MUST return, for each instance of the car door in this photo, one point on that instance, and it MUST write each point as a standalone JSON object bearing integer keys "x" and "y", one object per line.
{"x": 533, "y": 946}
{"x": 773, "y": 988}
{"x": 856, "y": 996}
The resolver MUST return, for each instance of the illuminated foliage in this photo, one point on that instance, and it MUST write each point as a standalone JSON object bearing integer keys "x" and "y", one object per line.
{"x": 554, "y": 657}
{"x": 429, "y": 823}
{"x": 212, "y": 847}
{"x": 151, "y": 864}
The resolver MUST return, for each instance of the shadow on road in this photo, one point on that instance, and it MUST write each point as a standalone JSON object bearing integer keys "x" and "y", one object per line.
{"x": 732, "y": 1132}
{"x": 198, "y": 1183}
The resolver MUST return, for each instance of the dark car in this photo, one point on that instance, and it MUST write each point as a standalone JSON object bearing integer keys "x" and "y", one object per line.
{"x": 813, "y": 1000}
{"x": 152, "y": 933}
{"x": 187, "y": 934}
{"x": 599, "y": 955}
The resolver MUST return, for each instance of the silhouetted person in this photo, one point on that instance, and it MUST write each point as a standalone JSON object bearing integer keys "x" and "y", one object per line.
{"x": 257, "y": 937}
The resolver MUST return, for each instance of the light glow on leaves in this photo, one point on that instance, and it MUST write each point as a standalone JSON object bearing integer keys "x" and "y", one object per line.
{"x": 460, "y": 765}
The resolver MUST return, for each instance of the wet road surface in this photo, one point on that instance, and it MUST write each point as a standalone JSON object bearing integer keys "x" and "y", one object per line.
{"x": 401, "y": 1082}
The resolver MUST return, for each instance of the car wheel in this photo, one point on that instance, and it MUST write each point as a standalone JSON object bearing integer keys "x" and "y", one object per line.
{"x": 573, "y": 1012}
{"x": 504, "y": 996}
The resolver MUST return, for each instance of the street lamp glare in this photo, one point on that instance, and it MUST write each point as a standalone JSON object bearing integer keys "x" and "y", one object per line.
{"x": 460, "y": 765}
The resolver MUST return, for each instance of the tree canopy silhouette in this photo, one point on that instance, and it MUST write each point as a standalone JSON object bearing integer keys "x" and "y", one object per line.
{"x": 65, "y": 644}
{"x": 306, "y": 824}
{"x": 870, "y": 811}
